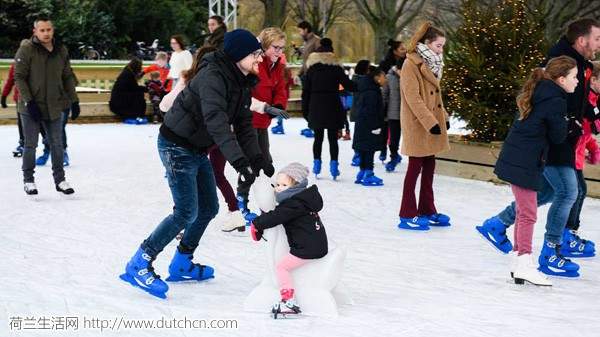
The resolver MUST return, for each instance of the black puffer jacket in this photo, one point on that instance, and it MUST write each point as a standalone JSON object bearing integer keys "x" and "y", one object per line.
{"x": 214, "y": 109}
{"x": 563, "y": 154}
{"x": 370, "y": 116}
{"x": 524, "y": 152}
{"x": 300, "y": 218}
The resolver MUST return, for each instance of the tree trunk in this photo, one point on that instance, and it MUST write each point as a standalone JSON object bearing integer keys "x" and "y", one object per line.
{"x": 275, "y": 13}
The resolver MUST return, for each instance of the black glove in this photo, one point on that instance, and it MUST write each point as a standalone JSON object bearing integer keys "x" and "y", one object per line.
{"x": 75, "y": 110}
{"x": 435, "y": 130}
{"x": 3, "y": 102}
{"x": 275, "y": 111}
{"x": 247, "y": 175}
{"x": 447, "y": 125}
{"x": 259, "y": 163}
{"x": 34, "y": 110}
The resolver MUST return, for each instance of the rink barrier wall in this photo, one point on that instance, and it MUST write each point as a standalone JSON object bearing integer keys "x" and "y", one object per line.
{"x": 473, "y": 160}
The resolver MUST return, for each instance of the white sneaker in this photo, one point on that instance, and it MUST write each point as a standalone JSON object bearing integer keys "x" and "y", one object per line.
{"x": 64, "y": 187}
{"x": 234, "y": 221}
{"x": 526, "y": 271}
{"x": 30, "y": 188}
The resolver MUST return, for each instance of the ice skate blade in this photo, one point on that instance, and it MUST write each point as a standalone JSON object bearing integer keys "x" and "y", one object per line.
{"x": 577, "y": 255}
{"x": 127, "y": 278}
{"x": 180, "y": 279}
{"x": 239, "y": 229}
{"x": 488, "y": 240}
{"x": 439, "y": 224}
{"x": 521, "y": 281}
{"x": 548, "y": 271}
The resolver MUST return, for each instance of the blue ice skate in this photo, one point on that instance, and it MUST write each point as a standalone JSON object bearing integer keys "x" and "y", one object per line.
{"x": 494, "y": 231}
{"x": 418, "y": 223}
{"x": 334, "y": 169}
{"x": 439, "y": 220}
{"x": 553, "y": 263}
{"x": 182, "y": 269}
{"x": 140, "y": 273}
{"x": 574, "y": 246}
{"x": 370, "y": 179}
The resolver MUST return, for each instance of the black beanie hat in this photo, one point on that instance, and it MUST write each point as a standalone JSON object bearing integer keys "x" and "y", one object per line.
{"x": 240, "y": 43}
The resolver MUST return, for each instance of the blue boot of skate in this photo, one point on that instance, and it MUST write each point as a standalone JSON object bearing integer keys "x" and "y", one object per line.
{"x": 356, "y": 159}
{"x": 553, "y": 263}
{"x": 574, "y": 246}
{"x": 308, "y": 133}
{"x": 391, "y": 165}
{"x": 334, "y": 169}
{"x": 243, "y": 207}
{"x": 359, "y": 177}
{"x": 18, "y": 152}
{"x": 183, "y": 269}
{"x": 66, "y": 159}
{"x": 494, "y": 231}
{"x": 439, "y": 220}
{"x": 382, "y": 156}
{"x": 316, "y": 167}
{"x": 140, "y": 273}
{"x": 278, "y": 129}
{"x": 418, "y": 223}
{"x": 43, "y": 159}
{"x": 370, "y": 179}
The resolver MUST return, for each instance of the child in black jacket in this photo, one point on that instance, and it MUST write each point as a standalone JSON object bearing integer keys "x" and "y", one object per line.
{"x": 297, "y": 211}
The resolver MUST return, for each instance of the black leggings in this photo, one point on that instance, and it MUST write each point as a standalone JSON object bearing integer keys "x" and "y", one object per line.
{"x": 394, "y": 127}
{"x": 333, "y": 144}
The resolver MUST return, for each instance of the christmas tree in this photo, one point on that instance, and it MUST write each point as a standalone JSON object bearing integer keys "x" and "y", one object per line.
{"x": 491, "y": 54}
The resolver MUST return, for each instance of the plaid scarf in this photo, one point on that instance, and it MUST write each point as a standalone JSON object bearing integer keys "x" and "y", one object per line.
{"x": 433, "y": 60}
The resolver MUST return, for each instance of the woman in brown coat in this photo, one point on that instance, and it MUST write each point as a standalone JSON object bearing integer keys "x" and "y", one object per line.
{"x": 424, "y": 125}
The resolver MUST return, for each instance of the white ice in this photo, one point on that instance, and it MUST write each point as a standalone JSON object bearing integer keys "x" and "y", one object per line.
{"x": 62, "y": 256}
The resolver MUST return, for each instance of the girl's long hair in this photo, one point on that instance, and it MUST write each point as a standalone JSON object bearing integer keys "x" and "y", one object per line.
{"x": 556, "y": 67}
{"x": 190, "y": 73}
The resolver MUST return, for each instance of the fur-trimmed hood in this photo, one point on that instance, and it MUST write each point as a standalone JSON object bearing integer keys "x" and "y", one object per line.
{"x": 324, "y": 58}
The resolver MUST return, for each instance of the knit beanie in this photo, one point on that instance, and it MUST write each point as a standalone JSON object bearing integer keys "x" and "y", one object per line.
{"x": 240, "y": 43}
{"x": 296, "y": 171}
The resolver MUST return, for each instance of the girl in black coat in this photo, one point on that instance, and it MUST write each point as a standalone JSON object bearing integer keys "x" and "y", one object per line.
{"x": 321, "y": 102}
{"x": 297, "y": 210}
{"x": 369, "y": 136}
{"x": 542, "y": 121}
{"x": 127, "y": 96}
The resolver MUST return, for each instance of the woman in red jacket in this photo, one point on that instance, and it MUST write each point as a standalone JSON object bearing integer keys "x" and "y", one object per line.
{"x": 271, "y": 90}
{"x": 271, "y": 87}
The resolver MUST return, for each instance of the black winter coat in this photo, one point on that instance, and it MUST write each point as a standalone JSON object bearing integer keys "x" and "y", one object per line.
{"x": 127, "y": 96}
{"x": 214, "y": 109}
{"x": 563, "y": 154}
{"x": 353, "y": 112}
{"x": 370, "y": 116}
{"x": 525, "y": 150}
{"x": 300, "y": 218}
{"x": 321, "y": 103}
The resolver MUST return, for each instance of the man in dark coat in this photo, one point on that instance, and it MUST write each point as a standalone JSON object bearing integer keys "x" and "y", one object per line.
{"x": 46, "y": 85}
{"x": 212, "y": 110}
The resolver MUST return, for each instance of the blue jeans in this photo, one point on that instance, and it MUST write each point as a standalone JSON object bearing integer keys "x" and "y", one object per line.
{"x": 573, "y": 222}
{"x": 560, "y": 188}
{"x": 194, "y": 192}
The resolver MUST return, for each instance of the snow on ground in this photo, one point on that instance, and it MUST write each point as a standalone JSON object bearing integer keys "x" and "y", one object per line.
{"x": 62, "y": 256}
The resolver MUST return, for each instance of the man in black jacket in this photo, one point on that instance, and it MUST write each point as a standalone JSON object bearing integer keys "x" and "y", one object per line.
{"x": 581, "y": 42}
{"x": 212, "y": 110}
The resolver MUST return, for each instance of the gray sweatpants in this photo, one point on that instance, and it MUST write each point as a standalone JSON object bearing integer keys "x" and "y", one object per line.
{"x": 31, "y": 131}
